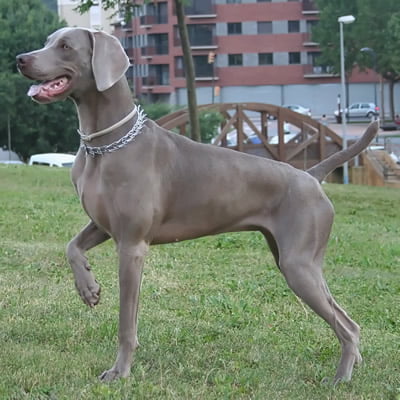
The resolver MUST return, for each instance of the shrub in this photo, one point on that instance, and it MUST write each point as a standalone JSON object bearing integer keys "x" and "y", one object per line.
{"x": 209, "y": 124}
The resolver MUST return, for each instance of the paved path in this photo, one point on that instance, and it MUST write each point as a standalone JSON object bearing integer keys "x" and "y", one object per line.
{"x": 384, "y": 137}
{"x": 356, "y": 130}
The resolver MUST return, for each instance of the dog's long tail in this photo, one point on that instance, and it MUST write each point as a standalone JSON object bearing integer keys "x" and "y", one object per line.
{"x": 321, "y": 170}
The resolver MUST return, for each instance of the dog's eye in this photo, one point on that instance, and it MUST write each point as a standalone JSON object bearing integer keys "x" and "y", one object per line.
{"x": 64, "y": 46}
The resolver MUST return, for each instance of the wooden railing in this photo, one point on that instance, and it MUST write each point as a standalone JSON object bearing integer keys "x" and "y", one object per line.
{"x": 246, "y": 123}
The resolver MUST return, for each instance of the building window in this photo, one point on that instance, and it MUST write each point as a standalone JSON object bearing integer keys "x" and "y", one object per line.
{"x": 179, "y": 70}
{"x": 312, "y": 57}
{"x": 155, "y": 13}
{"x": 202, "y": 7}
{"x": 157, "y": 44}
{"x": 294, "y": 58}
{"x": 265, "y": 59}
{"x": 201, "y": 66}
{"x": 310, "y": 25}
{"x": 158, "y": 75}
{"x": 264, "y": 27}
{"x": 234, "y": 28}
{"x": 293, "y": 26}
{"x": 201, "y": 34}
{"x": 233, "y": 1}
{"x": 235, "y": 59}
{"x": 127, "y": 42}
{"x": 263, "y": 1}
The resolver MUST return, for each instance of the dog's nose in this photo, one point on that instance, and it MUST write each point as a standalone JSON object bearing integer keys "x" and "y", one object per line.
{"x": 22, "y": 60}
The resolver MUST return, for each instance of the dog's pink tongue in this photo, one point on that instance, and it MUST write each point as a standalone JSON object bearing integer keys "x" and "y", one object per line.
{"x": 34, "y": 90}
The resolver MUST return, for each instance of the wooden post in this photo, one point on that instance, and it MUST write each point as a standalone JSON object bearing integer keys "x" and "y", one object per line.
{"x": 224, "y": 140}
{"x": 182, "y": 129}
{"x": 281, "y": 137}
{"x": 264, "y": 124}
{"x": 239, "y": 127}
{"x": 322, "y": 142}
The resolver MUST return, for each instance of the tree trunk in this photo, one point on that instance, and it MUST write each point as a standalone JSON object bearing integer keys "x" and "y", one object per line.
{"x": 189, "y": 72}
{"x": 391, "y": 98}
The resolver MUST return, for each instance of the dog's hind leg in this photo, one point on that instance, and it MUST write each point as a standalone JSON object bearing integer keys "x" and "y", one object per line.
{"x": 306, "y": 280}
{"x": 89, "y": 237}
{"x": 300, "y": 255}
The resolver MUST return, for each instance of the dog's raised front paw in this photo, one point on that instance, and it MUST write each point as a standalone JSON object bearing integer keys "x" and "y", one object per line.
{"x": 88, "y": 289}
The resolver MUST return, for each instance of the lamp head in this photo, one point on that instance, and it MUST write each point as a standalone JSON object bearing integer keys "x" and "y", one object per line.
{"x": 346, "y": 19}
{"x": 367, "y": 49}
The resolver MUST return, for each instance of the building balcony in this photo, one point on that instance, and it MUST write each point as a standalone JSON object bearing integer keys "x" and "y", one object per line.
{"x": 307, "y": 40}
{"x": 150, "y": 20}
{"x": 309, "y": 7}
{"x": 154, "y": 80}
{"x": 156, "y": 50}
{"x": 130, "y": 53}
{"x": 204, "y": 72}
{"x": 318, "y": 71}
{"x": 199, "y": 42}
{"x": 201, "y": 9}
{"x": 126, "y": 26}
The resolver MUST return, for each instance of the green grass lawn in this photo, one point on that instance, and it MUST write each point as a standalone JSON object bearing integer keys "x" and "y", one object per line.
{"x": 217, "y": 320}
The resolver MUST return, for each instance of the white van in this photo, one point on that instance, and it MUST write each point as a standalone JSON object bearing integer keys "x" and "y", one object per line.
{"x": 52, "y": 159}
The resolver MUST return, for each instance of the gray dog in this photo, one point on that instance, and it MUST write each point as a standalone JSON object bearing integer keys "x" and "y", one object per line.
{"x": 142, "y": 185}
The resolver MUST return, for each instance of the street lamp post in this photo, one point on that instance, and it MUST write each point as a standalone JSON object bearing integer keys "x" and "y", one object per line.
{"x": 373, "y": 55}
{"x": 346, "y": 19}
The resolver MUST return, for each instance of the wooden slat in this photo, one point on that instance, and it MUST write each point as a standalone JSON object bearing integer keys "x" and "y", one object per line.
{"x": 322, "y": 142}
{"x": 301, "y": 146}
{"x": 225, "y": 130}
{"x": 281, "y": 137}
{"x": 239, "y": 127}
{"x": 263, "y": 139}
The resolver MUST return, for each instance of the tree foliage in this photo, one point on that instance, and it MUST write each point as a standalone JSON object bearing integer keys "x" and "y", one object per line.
{"x": 326, "y": 33}
{"x": 24, "y": 26}
{"x": 376, "y": 27}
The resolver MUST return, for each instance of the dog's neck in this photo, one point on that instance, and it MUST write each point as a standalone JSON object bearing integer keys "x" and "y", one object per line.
{"x": 100, "y": 110}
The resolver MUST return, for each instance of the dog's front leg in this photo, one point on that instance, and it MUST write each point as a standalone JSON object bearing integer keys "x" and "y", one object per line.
{"x": 89, "y": 237}
{"x": 131, "y": 259}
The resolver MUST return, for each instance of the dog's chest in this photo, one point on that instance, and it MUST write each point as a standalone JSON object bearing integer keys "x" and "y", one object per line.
{"x": 93, "y": 200}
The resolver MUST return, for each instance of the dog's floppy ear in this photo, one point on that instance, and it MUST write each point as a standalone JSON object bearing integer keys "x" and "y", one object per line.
{"x": 109, "y": 61}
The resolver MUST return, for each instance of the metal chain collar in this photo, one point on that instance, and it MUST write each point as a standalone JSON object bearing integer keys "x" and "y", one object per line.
{"x": 122, "y": 142}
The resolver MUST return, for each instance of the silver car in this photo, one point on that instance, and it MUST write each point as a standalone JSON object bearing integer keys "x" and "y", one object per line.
{"x": 299, "y": 109}
{"x": 359, "y": 110}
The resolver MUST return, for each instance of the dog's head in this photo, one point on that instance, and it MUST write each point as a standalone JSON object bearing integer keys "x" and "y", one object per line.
{"x": 73, "y": 61}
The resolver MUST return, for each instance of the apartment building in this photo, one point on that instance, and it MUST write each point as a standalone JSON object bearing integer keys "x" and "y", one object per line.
{"x": 262, "y": 51}
{"x": 95, "y": 18}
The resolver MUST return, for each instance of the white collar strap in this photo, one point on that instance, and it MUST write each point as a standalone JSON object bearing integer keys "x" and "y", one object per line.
{"x": 136, "y": 130}
{"x": 88, "y": 138}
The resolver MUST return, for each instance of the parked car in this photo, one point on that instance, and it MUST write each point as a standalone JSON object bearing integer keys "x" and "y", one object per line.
{"x": 358, "y": 110}
{"x": 13, "y": 162}
{"x": 52, "y": 159}
{"x": 299, "y": 109}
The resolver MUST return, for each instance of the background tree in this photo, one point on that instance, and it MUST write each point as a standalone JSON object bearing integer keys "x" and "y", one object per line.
{"x": 373, "y": 28}
{"x": 189, "y": 71}
{"x": 127, "y": 7}
{"x": 326, "y": 33}
{"x": 24, "y": 26}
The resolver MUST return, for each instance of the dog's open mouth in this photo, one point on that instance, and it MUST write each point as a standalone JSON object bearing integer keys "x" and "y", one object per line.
{"x": 47, "y": 90}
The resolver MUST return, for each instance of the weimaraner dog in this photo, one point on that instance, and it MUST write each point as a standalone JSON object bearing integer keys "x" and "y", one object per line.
{"x": 141, "y": 184}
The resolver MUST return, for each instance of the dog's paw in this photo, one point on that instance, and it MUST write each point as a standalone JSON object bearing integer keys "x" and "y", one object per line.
{"x": 111, "y": 375}
{"x": 88, "y": 289}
